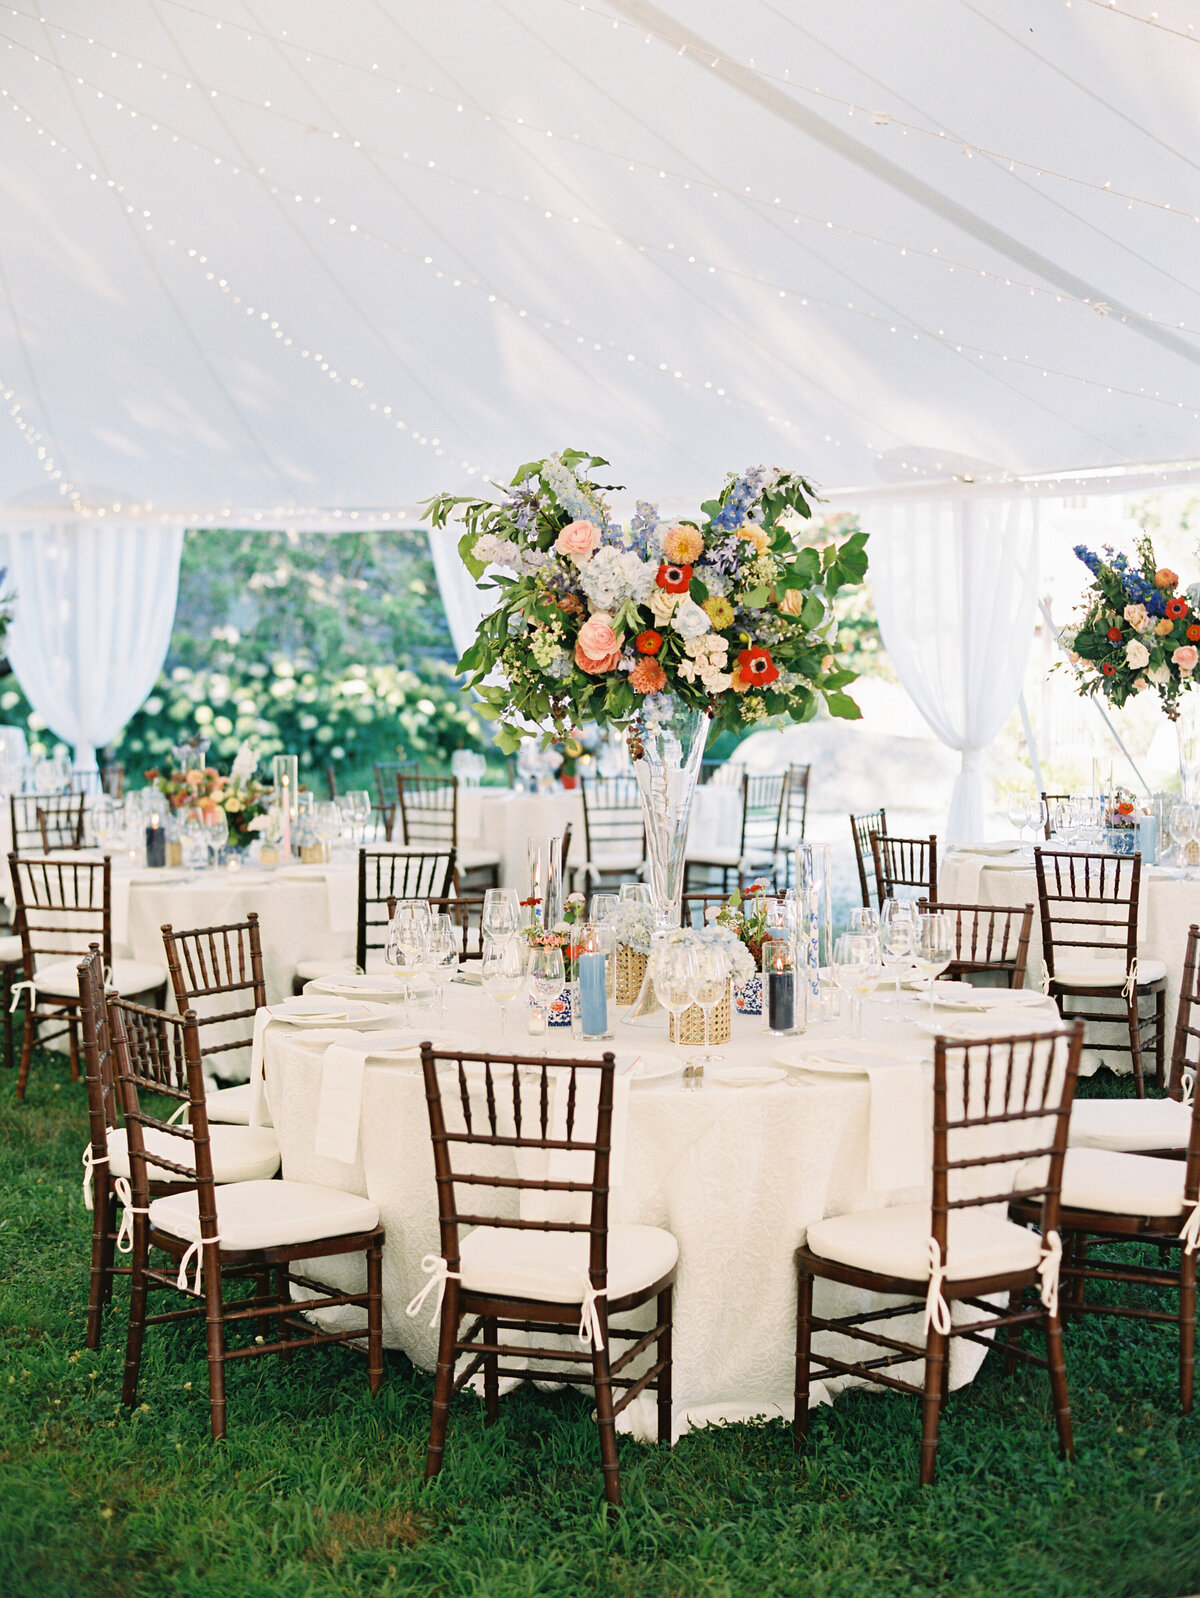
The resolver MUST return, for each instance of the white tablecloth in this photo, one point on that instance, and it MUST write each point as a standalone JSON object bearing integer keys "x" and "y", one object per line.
{"x": 736, "y": 1174}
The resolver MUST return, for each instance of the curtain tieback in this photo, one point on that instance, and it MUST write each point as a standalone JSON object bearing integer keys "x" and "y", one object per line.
{"x": 1189, "y": 1232}
{"x": 937, "y": 1311}
{"x": 90, "y": 1161}
{"x": 439, "y": 1274}
{"x": 193, "y": 1251}
{"x": 590, "y": 1330}
{"x": 128, "y": 1211}
{"x": 1048, "y": 1269}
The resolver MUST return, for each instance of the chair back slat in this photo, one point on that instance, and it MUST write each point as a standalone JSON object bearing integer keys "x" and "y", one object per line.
{"x": 797, "y": 802}
{"x": 861, "y": 828}
{"x": 47, "y": 821}
{"x": 998, "y": 1103}
{"x": 428, "y": 810}
{"x": 97, "y": 1054}
{"x": 694, "y": 907}
{"x": 156, "y": 1055}
{"x": 903, "y": 863}
{"x": 987, "y": 938}
{"x": 508, "y": 1109}
{"x": 61, "y": 907}
{"x": 764, "y": 798}
{"x": 1088, "y": 902}
{"x": 612, "y": 818}
{"x": 208, "y": 964}
{"x": 385, "y": 874}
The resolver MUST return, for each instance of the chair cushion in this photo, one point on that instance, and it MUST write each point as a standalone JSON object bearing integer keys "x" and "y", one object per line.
{"x": 552, "y": 1266}
{"x": 309, "y": 970}
{"x": 268, "y": 1214}
{"x": 714, "y": 857}
{"x": 10, "y": 951}
{"x": 1130, "y": 1126}
{"x": 231, "y": 1106}
{"x": 895, "y": 1242}
{"x": 239, "y": 1153}
{"x": 1114, "y": 1183}
{"x": 128, "y": 977}
{"x": 477, "y": 859}
{"x": 1106, "y": 973}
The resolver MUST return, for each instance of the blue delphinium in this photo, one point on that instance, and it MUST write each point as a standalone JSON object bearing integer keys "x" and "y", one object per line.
{"x": 1138, "y": 589}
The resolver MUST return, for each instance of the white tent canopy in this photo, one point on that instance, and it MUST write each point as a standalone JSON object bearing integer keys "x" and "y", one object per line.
{"x": 261, "y": 254}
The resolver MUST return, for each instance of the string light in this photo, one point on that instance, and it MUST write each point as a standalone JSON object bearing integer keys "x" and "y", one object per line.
{"x": 434, "y": 168}
{"x": 1151, "y": 21}
{"x": 36, "y": 442}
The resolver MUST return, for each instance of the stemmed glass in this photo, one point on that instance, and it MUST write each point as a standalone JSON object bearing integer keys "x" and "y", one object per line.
{"x": 855, "y": 970}
{"x": 501, "y": 914}
{"x": 710, "y": 984}
{"x": 407, "y": 941}
{"x": 546, "y": 976}
{"x": 603, "y": 908}
{"x": 673, "y": 974}
{"x": 864, "y": 919}
{"x": 216, "y": 832}
{"x": 897, "y": 939}
{"x": 105, "y": 819}
{"x": 934, "y": 949}
{"x": 441, "y": 958}
{"x": 356, "y": 807}
{"x": 1018, "y": 814}
{"x": 503, "y": 975}
{"x": 327, "y": 824}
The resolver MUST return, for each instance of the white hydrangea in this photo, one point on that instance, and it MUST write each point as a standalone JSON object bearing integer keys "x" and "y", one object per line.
{"x": 613, "y": 576}
{"x": 493, "y": 551}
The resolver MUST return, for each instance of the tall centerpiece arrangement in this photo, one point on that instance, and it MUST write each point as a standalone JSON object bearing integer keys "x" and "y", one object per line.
{"x": 663, "y": 629}
{"x": 1137, "y": 633}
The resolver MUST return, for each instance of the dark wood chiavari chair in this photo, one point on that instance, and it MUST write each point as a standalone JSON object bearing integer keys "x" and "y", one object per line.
{"x": 1089, "y": 914}
{"x": 238, "y": 1153}
{"x": 614, "y": 833}
{"x": 764, "y": 801}
{"x": 903, "y": 863}
{"x": 592, "y": 1270}
{"x": 466, "y": 915}
{"x": 209, "y": 964}
{"x": 1000, "y": 1107}
{"x": 1050, "y": 800}
{"x": 386, "y": 772}
{"x": 797, "y": 804}
{"x": 47, "y": 821}
{"x": 112, "y": 780}
{"x": 249, "y": 1228}
{"x": 988, "y": 938}
{"x": 384, "y": 875}
{"x": 62, "y": 906}
{"x": 429, "y": 820}
{"x": 1112, "y": 1197}
{"x": 861, "y": 828}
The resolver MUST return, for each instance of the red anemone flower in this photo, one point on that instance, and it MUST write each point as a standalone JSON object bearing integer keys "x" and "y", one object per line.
{"x": 1176, "y": 608}
{"x": 1108, "y": 668}
{"x": 674, "y": 579}
{"x": 1114, "y": 635}
{"x": 756, "y": 667}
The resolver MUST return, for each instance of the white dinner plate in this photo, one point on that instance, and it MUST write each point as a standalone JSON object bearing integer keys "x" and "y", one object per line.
{"x": 649, "y": 1067}
{"x": 744, "y": 1076}
{"x": 986, "y": 848}
{"x": 840, "y": 1059}
{"x": 999, "y": 1024}
{"x": 356, "y": 987}
{"x": 328, "y": 1012}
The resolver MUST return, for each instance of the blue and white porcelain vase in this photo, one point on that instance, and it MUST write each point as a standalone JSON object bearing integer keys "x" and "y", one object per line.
{"x": 561, "y": 1009}
{"x": 747, "y": 995}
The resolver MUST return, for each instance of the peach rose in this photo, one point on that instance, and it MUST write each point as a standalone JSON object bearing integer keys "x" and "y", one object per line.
{"x": 1136, "y": 616}
{"x": 578, "y": 541}
{"x": 682, "y": 545}
{"x": 1185, "y": 657}
{"x": 753, "y": 534}
{"x": 791, "y": 601}
{"x": 598, "y": 647}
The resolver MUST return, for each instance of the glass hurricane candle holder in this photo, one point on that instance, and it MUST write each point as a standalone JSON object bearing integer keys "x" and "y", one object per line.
{"x": 785, "y": 990}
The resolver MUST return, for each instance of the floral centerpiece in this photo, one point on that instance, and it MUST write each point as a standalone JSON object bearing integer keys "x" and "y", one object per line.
{"x": 747, "y": 919}
{"x": 567, "y": 936}
{"x": 202, "y": 790}
{"x": 1137, "y": 631}
{"x": 727, "y": 612}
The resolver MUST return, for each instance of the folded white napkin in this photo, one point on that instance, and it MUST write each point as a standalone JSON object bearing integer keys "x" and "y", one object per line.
{"x": 339, "y": 1109}
{"x": 262, "y": 1020}
{"x": 896, "y": 1130}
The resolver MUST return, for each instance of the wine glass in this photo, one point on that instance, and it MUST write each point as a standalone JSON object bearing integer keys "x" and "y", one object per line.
{"x": 864, "y": 919}
{"x": 711, "y": 983}
{"x": 105, "y": 822}
{"x": 636, "y": 893}
{"x": 1018, "y": 814}
{"x": 604, "y": 908}
{"x": 501, "y": 914}
{"x": 406, "y": 943}
{"x": 327, "y": 824}
{"x": 897, "y": 939}
{"x": 503, "y": 975}
{"x": 1181, "y": 830}
{"x": 546, "y": 976}
{"x": 1039, "y": 816}
{"x": 934, "y": 948}
{"x": 216, "y": 832}
{"x": 356, "y": 805}
{"x": 855, "y": 968}
{"x": 441, "y": 958}
{"x": 672, "y": 973}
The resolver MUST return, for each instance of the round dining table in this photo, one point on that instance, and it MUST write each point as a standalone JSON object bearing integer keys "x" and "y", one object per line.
{"x": 735, "y": 1169}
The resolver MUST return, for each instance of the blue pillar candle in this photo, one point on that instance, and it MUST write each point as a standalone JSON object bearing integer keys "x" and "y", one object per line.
{"x": 593, "y": 998}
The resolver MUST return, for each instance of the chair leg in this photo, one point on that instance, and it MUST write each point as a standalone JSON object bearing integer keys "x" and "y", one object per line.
{"x": 214, "y": 1319}
{"x": 1160, "y": 1039}
{"x": 804, "y": 1296}
{"x": 375, "y": 1317}
{"x": 443, "y": 1383}
{"x": 1012, "y": 1336}
{"x": 6, "y": 1000}
{"x": 605, "y": 1420}
{"x": 935, "y": 1358}
{"x": 262, "y": 1288}
{"x": 491, "y": 1372}
{"x": 1187, "y": 1331}
{"x": 1135, "y": 1044}
{"x": 1058, "y": 1385}
{"x": 283, "y": 1295}
{"x": 73, "y": 1047}
{"x": 96, "y": 1286}
{"x": 666, "y": 1422}
{"x": 137, "y": 1317}
{"x": 26, "y": 1050}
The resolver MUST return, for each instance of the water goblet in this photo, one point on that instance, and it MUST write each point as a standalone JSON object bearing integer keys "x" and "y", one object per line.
{"x": 711, "y": 983}
{"x": 441, "y": 959}
{"x": 864, "y": 919}
{"x": 672, "y": 973}
{"x": 1018, "y": 814}
{"x": 547, "y": 976}
{"x": 501, "y": 917}
{"x": 405, "y": 945}
{"x": 897, "y": 939}
{"x": 503, "y": 973}
{"x": 934, "y": 948}
{"x": 855, "y": 968}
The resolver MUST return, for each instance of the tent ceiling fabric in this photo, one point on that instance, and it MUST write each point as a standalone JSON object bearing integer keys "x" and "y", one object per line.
{"x": 277, "y": 253}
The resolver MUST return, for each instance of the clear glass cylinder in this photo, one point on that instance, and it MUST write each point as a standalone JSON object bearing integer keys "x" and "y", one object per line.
{"x": 784, "y": 986}
{"x": 667, "y": 743}
{"x": 814, "y": 912}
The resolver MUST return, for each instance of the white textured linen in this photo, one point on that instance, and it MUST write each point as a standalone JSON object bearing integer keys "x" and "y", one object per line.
{"x": 340, "y": 1105}
{"x": 735, "y": 1175}
{"x": 96, "y": 602}
{"x": 955, "y": 584}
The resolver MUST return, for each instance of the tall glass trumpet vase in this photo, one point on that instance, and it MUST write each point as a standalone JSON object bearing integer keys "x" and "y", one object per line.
{"x": 667, "y": 744}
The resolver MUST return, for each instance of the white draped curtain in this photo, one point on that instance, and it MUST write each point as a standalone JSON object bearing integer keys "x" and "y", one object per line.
{"x": 94, "y": 609}
{"x": 955, "y": 589}
{"x": 464, "y": 604}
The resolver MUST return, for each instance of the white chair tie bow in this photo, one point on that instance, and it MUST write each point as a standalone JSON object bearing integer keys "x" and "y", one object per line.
{"x": 1189, "y": 1232}
{"x": 1188, "y": 1084}
{"x": 937, "y": 1311}
{"x": 29, "y": 983}
{"x": 439, "y": 1273}
{"x": 90, "y": 1161}
{"x": 1048, "y": 1269}
{"x": 1130, "y": 988}
{"x": 193, "y": 1251}
{"x": 1045, "y": 982}
{"x": 590, "y": 1330}
{"x": 128, "y": 1211}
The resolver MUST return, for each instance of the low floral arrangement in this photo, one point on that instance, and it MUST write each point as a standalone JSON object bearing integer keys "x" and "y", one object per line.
{"x": 1137, "y": 632}
{"x": 740, "y": 961}
{"x": 729, "y": 613}
{"x": 634, "y": 925}
{"x": 203, "y": 790}
{"x": 746, "y": 918}
{"x": 565, "y": 935}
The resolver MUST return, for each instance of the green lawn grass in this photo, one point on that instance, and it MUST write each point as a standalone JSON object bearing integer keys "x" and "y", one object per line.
{"x": 318, "y": 1490}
